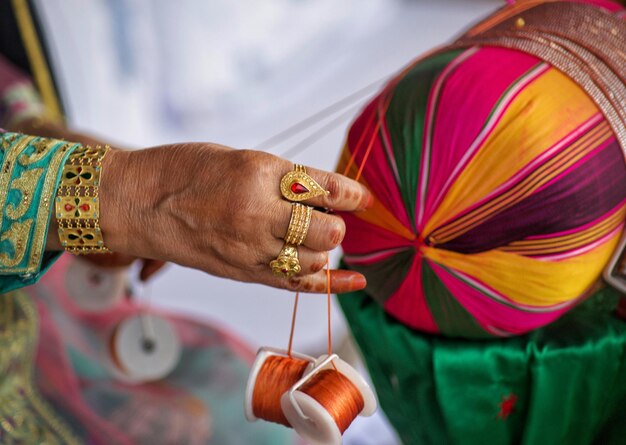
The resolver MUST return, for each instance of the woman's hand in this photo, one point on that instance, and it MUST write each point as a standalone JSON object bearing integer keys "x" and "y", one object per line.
{"x": 220, "y": 210}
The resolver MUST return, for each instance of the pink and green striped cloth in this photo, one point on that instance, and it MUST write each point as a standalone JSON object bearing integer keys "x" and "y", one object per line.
{"x": 500, "y": 194}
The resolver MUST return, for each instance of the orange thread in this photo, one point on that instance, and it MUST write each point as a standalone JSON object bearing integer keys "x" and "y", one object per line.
{"x": 385, "y": 97}
{"x": 368, "y": 151}
{"x": 337, "y": 394}
{"x": 381, "y": 113}
{"x": 359, "y": 143}
{"x": 276, "y": 376}
{"x": 293, "y": 323}
{"x": 330, "y": 340}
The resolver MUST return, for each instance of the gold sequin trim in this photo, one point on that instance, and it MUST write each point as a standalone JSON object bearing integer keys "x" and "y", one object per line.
{"x": 25, "y": 418}
{"x": 20, "y": 154}
{"x": 25, "y": 184}
{"x": 47, "y": 195}
{"x": 42, "y": 148}
{"x": 583, "y": 41}
{"x": 17, "y": 235}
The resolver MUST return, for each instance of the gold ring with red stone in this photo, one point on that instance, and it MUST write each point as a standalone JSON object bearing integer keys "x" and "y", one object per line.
{"x": 298, "y": 186}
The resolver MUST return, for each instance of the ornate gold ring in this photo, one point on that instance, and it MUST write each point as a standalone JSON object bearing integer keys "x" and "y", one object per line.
{"x": 298, "y": 224}
{"x": 286, "y": 264}
{"x": 298, "y": 186}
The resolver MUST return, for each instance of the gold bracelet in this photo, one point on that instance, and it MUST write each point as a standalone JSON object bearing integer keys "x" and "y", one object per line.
{"x": 77, "y": 204}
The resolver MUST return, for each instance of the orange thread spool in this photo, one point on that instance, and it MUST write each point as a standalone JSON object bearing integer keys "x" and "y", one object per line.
{"x": 337, "y": 394}
{"x": 276, "y": 376}
{"x": 323, "y": 404}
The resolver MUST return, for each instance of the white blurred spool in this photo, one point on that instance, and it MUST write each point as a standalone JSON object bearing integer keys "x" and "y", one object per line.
{"x": 94, "y": 288}
{"x": 143, "y": 348}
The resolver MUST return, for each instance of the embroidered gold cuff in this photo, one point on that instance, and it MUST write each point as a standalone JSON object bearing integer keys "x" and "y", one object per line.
{"x": 77, "y": 205}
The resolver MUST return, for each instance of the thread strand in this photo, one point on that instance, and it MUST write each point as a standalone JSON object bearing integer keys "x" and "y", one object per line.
{"x": 293, "y": 323}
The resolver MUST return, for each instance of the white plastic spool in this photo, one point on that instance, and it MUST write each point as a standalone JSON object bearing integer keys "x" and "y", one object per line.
{"x": 93, "y": 288}
{"x": 262, "y": 355}
{"x": 309, "y": 418}
{"x": 612, "y": 273}
{"x": 146, "y": 348}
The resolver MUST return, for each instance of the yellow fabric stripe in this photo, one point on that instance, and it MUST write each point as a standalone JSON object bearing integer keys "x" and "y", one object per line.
{"x": 529, "y": 281}
{"x": 527, "y": 186}
{"x": 37, "y": 61}
{"x": 535, "y": 120}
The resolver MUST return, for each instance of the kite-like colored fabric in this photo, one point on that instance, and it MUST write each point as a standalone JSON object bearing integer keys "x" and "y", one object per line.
{"x": 500, "y": 197}
{"x": 500, "y": 193}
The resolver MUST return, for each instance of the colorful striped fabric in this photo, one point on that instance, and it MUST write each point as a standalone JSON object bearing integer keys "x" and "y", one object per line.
{"x": 500, "y": 194}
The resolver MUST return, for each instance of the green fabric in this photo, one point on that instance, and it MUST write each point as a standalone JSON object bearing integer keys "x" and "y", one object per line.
{"x": 446, "y": 310}
{"x": 386, "y": 275}
{"x": 569, "y": 379}
{"x": 30, "y": 172}
{"x": 405, "y": 122}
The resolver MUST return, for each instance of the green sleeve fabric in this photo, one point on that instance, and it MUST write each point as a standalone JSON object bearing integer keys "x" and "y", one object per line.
{"x": 562, "y": 384}
{"x": 30, "y": 172}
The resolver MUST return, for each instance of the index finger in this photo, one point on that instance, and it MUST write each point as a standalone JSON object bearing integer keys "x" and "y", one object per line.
{"x": 341, "y": 281}
{"x": 343, "y": 193}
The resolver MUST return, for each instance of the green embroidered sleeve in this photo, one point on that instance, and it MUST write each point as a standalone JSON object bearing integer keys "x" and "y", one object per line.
{"x": 30, "y": 172}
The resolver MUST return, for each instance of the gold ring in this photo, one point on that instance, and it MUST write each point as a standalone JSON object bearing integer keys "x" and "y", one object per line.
{"x": 286, "y": 264}
{"x": 298, "y": 224}
{"x": 298, "y": 186}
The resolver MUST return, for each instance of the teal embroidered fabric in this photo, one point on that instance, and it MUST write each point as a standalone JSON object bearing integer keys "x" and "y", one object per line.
{"x": 30, "y": 172}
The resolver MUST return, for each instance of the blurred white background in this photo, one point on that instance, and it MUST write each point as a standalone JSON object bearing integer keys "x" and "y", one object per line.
{"x": 148, "y": 72}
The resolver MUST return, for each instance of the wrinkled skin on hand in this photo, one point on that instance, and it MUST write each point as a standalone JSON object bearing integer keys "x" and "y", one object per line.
{"x": 220, "y": 210}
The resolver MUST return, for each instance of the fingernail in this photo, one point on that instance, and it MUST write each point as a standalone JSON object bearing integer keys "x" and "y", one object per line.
{"x": 358, "y": 282}
{"x": 347, "y": 281}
